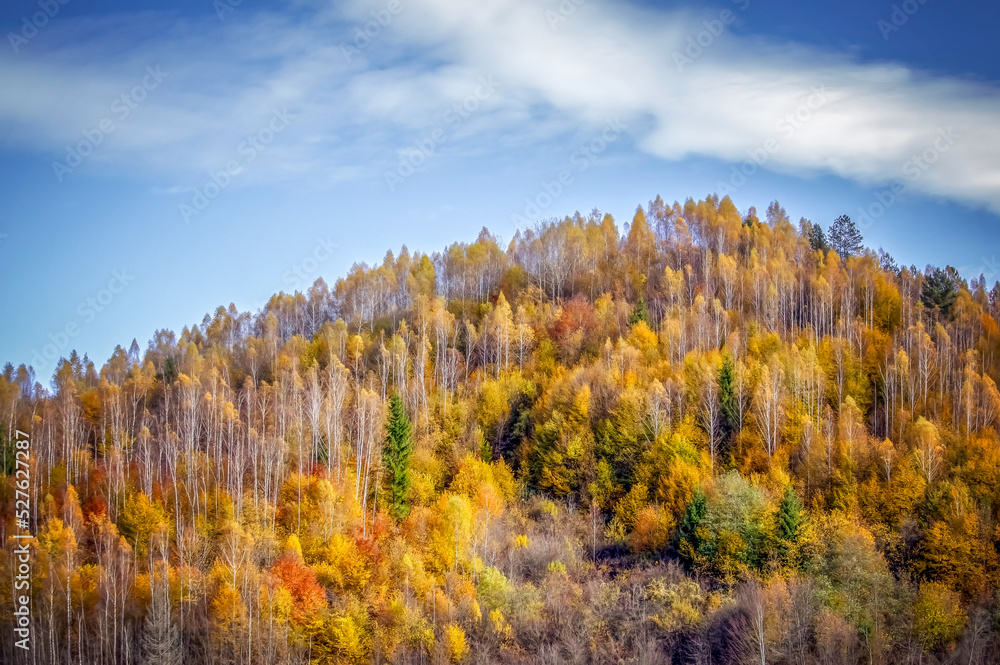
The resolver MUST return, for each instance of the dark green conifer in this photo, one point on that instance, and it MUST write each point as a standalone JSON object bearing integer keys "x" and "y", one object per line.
{"x": 396, "y": 457}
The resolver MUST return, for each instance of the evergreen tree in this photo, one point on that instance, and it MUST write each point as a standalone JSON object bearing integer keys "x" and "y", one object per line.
{"x": 727, "y": 397}
{"x": 640, "y": 313}
{"x": 790, "y": 520}
{"x": 817, "y": 238}
{"x": 169, "y": 374}
{"x": 940, "y": 290}
{"x": 688, "y": 539}
{"x": 396, "y": 457}
{"x": 886, "y": 262}
{"x": 845, "y": 239}
{"x": 8, "y": 454}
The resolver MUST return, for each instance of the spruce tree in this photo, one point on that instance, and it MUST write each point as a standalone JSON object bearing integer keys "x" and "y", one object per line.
{"x": 396, "y": 456}
{"x": 790, "y": 520}
{"x": 727, "y": 395}
{"x": 845, "y": 239}
{"x": 688, "y": 540}
{"x": 640, "y": 313}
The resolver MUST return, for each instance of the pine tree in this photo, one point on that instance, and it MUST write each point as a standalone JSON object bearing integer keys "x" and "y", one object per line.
{"x": 688, "y": 539}
{"x": 939, "y": 291}
{"x": 845, "y": 239}
{"x": 817, "y": 238}
{"x": 396, "y": 457}
{"x": 886, "y": 262}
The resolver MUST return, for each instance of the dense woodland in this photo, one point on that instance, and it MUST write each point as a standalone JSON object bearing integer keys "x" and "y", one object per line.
{"x": 702, "y": 437}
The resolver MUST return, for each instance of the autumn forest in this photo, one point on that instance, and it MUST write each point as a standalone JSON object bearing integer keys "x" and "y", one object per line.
{"x": 702, "y": 436}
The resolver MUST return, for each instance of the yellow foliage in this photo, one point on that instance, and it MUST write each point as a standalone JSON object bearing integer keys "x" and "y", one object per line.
{"x": 644, "y": 339}
{"x": 939, "y": 616}
{"x": 501, "y": 628}
{"x": 457, "y": 647}
{"x": 342, "y": 567}
{"x": 227, "y": 606}
{"x": 557, "y": 567}
{"x": 683, "y": 604}
{"x": 344, "y": 641}
{"x": 293, "y": 547}
{"x": 450, "y": 539}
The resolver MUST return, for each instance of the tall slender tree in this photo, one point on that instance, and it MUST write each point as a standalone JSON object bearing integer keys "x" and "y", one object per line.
{"x": 396, "y": 457}
{"x": 727, "y": 397}
{"x": 790, "y": 521}
{"x": 688, "y": 538}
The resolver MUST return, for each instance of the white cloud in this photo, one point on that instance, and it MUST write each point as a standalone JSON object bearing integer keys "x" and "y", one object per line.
{"x": 603, "y": 60}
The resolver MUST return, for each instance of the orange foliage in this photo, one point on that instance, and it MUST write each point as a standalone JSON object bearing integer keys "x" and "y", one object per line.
{"x": 308, "y": 597}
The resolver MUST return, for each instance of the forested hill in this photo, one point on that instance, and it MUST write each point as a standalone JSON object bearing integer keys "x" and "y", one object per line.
{"x": 702, "y": 437}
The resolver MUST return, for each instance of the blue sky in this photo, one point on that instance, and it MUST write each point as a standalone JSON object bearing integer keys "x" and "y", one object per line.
{"x": 309, "y": 124}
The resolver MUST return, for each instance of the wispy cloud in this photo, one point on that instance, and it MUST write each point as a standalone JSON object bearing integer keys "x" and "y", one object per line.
{"x": 604, "y": 60}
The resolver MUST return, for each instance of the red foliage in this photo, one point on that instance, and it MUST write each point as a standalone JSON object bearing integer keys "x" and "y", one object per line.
{"x": 94, "y": 507}
{"x": 578, "y": 313}
{"x": 308, "y": 597}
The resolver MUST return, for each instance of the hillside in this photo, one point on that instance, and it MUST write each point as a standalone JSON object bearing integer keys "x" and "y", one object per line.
{"x": 702, "y": 437}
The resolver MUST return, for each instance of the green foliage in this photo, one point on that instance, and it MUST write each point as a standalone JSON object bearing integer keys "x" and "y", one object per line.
{"x": 728, "y": 403}
{"x": 790, "y": 524}
{"x": 617, "y": 440}
{"x": 8, "y": 453}
{"x": 689, "y": 537}
{"x": 817, "y": 238}
{"x": 939, "y": 616}
{"x": 940, "y": 290}
{"x": 736, "y": 529}
{"x": 845, "y": 238}
{"x": 640, "y": 313}
{"x": 396, "y": 456}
